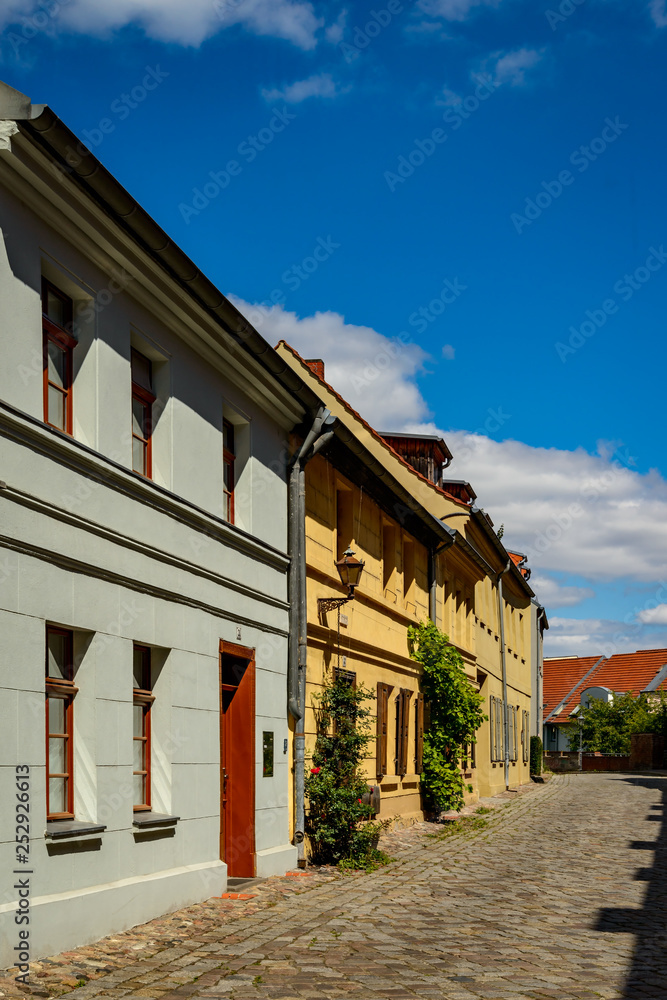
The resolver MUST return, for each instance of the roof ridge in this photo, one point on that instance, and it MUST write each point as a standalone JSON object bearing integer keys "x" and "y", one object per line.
{"x": 376, "y": 434}
{"x": 563, "y": 702}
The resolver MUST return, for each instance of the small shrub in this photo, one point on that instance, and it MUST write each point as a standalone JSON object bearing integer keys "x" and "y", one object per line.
{"x": 338, "y": 823}
{"x": 536, "y": 755}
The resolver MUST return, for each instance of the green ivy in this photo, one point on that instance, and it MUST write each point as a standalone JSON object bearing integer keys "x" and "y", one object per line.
{"x": 455, "y": 715}
{"x": 536, "y": 755}
{"x": 337, "y": 822}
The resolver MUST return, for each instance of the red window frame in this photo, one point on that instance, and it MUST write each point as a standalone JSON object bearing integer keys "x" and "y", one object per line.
{"x": 62, "y": 689}
{"x": 145, "y": 398}
{"x": 61, "y": 337}
{"x": 228, "y": 459}
{"x": 142, "y": 697}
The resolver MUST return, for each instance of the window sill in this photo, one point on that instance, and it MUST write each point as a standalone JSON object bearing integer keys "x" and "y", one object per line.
{"x": 71, "y": 829}
{"x": 153, "y": 821}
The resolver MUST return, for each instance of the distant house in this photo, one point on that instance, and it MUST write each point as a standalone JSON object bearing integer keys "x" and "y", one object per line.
{"x": 573, "y": 681}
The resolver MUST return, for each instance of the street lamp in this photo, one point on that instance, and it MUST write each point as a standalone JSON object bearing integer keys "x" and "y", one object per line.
{"x": 350, "y": 570}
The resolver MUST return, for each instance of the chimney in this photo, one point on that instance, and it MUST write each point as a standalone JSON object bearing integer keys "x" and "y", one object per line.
{"x": 317, "y": 365}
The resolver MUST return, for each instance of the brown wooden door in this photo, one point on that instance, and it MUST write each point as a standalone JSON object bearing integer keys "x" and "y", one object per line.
{"x": 237, "y": 759}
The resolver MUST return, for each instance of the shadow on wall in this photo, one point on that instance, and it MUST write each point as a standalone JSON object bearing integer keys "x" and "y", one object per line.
{"x": 648, "y": 975}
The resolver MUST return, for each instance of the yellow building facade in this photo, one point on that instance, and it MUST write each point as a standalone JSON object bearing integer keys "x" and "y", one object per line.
{"x": 427, "y": 554}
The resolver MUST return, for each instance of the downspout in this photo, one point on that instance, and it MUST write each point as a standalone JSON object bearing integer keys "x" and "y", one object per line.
{"x": 319, "y": 435}
{"x": 501, "y": 619}
{"x": 540, "y": 675}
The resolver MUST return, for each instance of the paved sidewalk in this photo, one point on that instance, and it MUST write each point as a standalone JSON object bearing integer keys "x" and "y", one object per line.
{"x": 563, "y": 894}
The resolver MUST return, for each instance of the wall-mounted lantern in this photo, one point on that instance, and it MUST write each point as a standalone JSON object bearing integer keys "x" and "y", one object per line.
{"x": 350, "y": 570}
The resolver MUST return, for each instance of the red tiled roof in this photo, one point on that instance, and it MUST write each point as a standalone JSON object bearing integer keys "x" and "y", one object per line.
{"x": 368, "y": 427}
{"x": 622, "y": 672}
{"x": 560, "y": 677}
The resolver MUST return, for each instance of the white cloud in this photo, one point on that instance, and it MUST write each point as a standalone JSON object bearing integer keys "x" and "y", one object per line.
{"x": 553, "y": 594}
{"x": 658, "y": 11}
{"x": 186, "y": 24}
{"x": 373, "y": 373}
{"x": 510, "y": 67}
{"x": 588, "y": 515}
{"x": 334, "y": 33}
{"x": 599, "y": 636}
{"x": 320, "y": 85}
{"x": 591, "y": 516}
{"x": 453, "y": 10}
{"x": 653, "y": 616}
{"x": 448, "y": 352}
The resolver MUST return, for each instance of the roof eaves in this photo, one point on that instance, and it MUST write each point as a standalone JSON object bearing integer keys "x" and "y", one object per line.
{"x": 42, "y": 127}
{"x": 480, "y": 519}
{"x": 377, "y": 436}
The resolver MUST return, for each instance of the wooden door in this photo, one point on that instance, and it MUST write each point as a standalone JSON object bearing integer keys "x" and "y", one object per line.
{"x": 237, "y": 759}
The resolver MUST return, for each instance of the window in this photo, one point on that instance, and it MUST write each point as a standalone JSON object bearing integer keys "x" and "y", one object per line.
{"x": 344, "y": 522}
{"x": 142, "y": 414}
{"x": 60, "y": 692}
{"x": 228, "y": 459}
{"x": 525, "y": 735}
{"x": 142, "y": 700}
{"x": 348, "y": 677}
{"x": 419, "y": 734}
{"x": 497, "y": 729}
{"x": 58, "y": 344}
{"x": 408, "y": 570}
{"x": 402, "y": 730}
{"x": 512, "y": 731}
{"x": 388, "y": 554}
{"x": 383, "y": 692}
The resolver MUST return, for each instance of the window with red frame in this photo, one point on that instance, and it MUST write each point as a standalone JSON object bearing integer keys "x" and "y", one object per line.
{"x": 58, "y": 345}
{"x": 228, "y": 458}
{"x": 60, "y": 692}
{"x": 142, "y": 700}
{"x": 142, "y": 414}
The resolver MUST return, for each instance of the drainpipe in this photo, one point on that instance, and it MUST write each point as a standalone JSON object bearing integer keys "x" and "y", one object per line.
{"x": 541, "y": 613}
{"x": 501, "y": 619}
{"x": 319, "y": 435}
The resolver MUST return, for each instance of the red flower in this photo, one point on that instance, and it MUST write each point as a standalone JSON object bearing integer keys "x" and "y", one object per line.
{"x": 360, "y": 802}
{"x": 315, "y": 770}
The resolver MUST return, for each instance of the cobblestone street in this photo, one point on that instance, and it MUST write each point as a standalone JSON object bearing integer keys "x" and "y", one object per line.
{"x": 563, "y": 893}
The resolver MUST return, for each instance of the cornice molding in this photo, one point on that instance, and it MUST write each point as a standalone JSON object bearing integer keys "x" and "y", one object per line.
{"x": 81, "y": 459}
{"x": 86, "y": 569}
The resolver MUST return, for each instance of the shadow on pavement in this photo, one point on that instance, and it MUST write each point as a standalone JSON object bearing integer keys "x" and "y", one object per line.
{"x": 648, "y": 975}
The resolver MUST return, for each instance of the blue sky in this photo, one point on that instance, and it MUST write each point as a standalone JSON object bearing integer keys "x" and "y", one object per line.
{"x": 483, "y": 184}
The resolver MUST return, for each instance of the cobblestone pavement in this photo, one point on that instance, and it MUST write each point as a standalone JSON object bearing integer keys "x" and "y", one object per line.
{"x": 562, "y": 894}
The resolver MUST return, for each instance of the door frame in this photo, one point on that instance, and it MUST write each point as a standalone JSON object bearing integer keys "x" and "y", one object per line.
{"x": 243, "y": 653}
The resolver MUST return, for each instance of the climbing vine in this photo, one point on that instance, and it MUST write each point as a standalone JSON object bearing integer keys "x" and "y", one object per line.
{"x": 455, "y": 715}
{"x": 338, "y": 822}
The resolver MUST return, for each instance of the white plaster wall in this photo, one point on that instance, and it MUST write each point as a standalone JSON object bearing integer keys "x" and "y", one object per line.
{"x": 99, "y": 550}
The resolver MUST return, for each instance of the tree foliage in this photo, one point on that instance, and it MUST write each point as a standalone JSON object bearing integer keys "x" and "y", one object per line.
{"x": 606, "y": 727}
{"x": 335, "y": 784}
{"x": 455, "y": 715}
